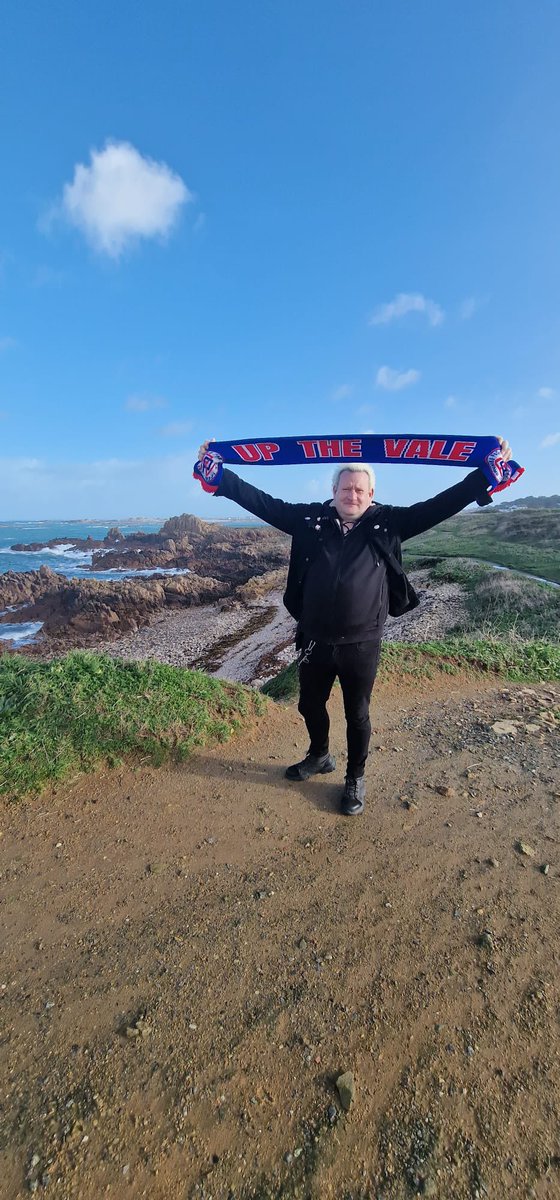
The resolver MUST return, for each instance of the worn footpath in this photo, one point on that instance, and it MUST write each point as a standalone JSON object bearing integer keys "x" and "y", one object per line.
{"x": 193, "y": 956}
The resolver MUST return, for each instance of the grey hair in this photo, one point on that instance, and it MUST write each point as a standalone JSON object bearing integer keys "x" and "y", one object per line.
{"x": 355, "y": 466}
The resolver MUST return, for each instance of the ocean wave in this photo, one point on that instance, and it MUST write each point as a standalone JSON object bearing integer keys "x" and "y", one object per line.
{"x": 117, "y": 573}
{"x": 123, "y": 573}
{"x": 23, "y": 634}
{"x": 66, "y": 550}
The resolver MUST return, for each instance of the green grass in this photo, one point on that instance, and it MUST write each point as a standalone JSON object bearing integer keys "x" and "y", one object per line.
{"x": 533, "y": 662}
{"x": 536, "y": 661}
{"x": 499, "y": 604}
{"x": 63, "y": 717}
{"x": 284, "y": 686}
{"x": 523, "y": 540}
{"x": 510, "y": 628}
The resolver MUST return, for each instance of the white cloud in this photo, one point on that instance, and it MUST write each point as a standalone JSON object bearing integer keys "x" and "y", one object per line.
{"x": 546, "y": 393}
{"x": 144, "y": 403}
{"x": 394, "y": 381}
{"x": 404, "y": 303}
{"x": 468, "y": 308}
{"x": 551, "y": 439}
{"x": 451, "y": 402}
{"x": 364, "y": 410}
{"x": 7, "y": 343}
{"x": 343, "y": 392}
{"x": 176, "y": 429}
{"x": 121, "y": 197}
{"x": 16, "y": 468}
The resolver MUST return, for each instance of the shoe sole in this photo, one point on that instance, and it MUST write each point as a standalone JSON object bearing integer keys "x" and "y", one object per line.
{"x": 309, "y": 774}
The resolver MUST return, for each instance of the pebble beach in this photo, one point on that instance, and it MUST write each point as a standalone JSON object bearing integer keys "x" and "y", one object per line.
{"x": 251, "y": 644}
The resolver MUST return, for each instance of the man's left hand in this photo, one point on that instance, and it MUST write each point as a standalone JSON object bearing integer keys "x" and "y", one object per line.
{"x": 505, "y": 448}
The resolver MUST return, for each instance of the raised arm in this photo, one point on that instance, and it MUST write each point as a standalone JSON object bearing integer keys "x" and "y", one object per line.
{"x": 417, "y": 518}
{"x": 278, "y": 513}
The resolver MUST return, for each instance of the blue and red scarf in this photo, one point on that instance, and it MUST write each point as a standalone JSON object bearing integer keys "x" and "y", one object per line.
{"x": 426, "y": 449}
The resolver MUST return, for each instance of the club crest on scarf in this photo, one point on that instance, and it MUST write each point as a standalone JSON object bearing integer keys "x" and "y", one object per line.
{"x": 209, "y": 471}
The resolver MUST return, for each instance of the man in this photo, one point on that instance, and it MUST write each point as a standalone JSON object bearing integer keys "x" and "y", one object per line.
{"x": 345, "y": 576}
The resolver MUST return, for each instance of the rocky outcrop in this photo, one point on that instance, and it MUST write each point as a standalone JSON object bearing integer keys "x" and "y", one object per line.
{"x": 149, "y": 558}
{"x": 21, "y": 588}
{"x": 184, "y": 542}
{"x": 219, "y": 562}
{"x": 178, "y": 527}
{"x": 261, "y": 585}
{"x": 81, "y": 612}
{"x": 234, "y": 555}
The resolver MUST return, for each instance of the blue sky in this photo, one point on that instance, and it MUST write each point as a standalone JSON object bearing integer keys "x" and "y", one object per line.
{"x": 275, "y": 218}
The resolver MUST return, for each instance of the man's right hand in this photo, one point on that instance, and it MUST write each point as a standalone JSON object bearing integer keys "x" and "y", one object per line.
{"x": 208, "y": 469}
{"x": 202, "y": 449}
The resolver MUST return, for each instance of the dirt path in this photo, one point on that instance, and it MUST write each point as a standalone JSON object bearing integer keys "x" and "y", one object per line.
{"x": 192, "y": 956}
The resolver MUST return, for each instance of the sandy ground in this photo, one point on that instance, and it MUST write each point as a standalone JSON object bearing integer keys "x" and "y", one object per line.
{"x": 193, "y": 955}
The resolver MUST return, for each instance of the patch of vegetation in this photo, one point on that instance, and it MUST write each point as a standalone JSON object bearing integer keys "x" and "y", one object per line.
{"x": 532, "y": 502}
{"x": 502, "y": 605}
{"x": 534, "y": 661}
{"x": 284, "y": 686}
{"x": 529, "y": 661}
{"x": 59, "y": 718}
{"x": 523, "y": 540}
{"x": 464, "y": 571}
{"x": 511, "y": 627}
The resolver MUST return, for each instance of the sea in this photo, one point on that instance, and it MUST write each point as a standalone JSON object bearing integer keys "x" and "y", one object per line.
{"x": 65, "y": 560}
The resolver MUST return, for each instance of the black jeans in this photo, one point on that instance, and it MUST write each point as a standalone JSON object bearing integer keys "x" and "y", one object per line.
{"x": 356, "y": 667}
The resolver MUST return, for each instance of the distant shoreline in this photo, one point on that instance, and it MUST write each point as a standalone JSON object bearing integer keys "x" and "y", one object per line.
{"x": 102, "y": 521}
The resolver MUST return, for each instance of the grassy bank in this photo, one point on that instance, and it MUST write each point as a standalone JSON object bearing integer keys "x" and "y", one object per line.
{"x": 501, "y": 605}
{"x": 524, "y": 541}
{"x": 59, "y": 718}
{"x": 528, "y": 662}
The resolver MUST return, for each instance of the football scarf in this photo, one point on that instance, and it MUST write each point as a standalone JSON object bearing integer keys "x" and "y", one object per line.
{"x": 425, "y": 449}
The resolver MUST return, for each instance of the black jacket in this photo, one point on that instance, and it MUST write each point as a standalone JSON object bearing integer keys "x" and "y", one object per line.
{"x": 340, "y": 588}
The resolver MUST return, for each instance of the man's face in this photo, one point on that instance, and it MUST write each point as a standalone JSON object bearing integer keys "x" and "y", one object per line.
{"x": 353, "y": 495}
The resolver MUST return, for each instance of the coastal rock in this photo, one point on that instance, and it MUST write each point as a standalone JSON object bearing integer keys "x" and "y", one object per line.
{"x": 216, "y": 560}
{"x": 20, "y": 588}
{"x": 135, "y": 559}
{"x": 177, "y": 527}
{"x": 79, "y": 613}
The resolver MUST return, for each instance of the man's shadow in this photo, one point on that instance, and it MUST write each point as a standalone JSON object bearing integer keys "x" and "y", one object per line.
{"x": 319, "y": 792}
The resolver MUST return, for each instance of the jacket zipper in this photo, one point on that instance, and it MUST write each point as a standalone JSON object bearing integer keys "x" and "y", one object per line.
{"x": 339, "y": 571}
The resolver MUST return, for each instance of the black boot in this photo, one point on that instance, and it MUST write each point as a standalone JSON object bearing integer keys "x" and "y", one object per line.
{"x": 353, "y": 796}
{"x": 312, "y": 764}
